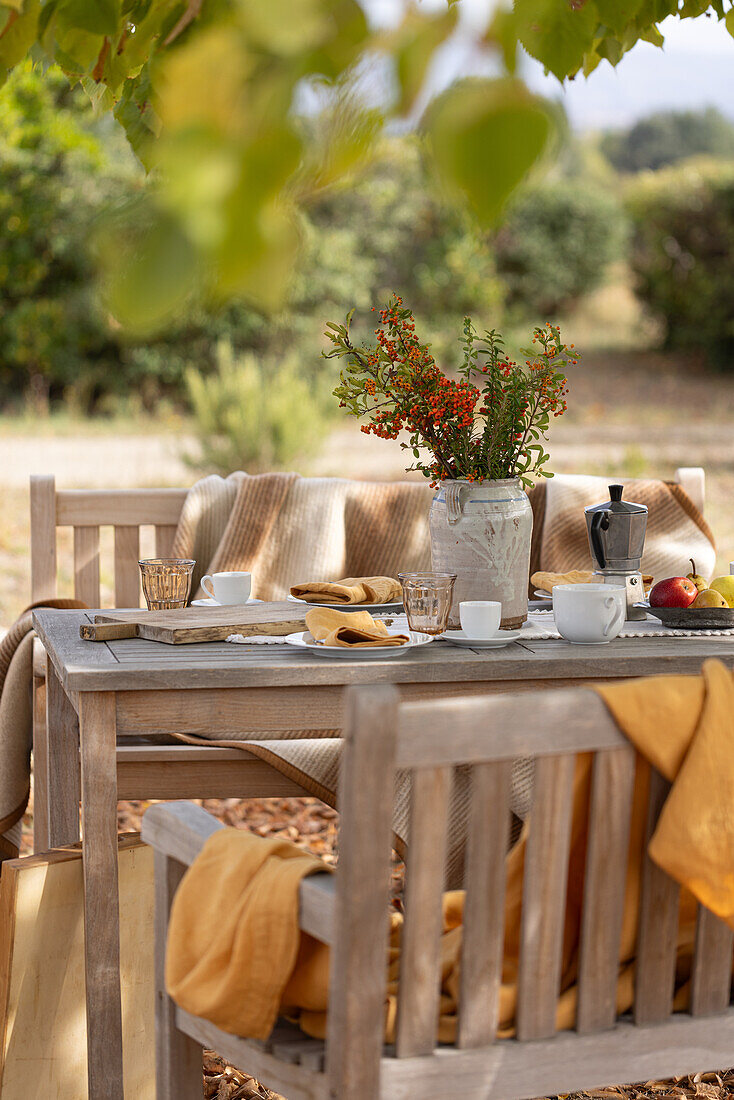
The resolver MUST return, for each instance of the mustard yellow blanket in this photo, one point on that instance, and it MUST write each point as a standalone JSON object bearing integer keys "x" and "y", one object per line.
{"x": 237, "y": 957}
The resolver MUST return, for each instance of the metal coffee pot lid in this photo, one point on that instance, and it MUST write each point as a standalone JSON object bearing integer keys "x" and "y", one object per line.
{"x": 616, "y": 505}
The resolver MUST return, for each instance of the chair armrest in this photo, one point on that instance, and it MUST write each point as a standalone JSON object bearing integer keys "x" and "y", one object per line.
{"x": 317, "y": 897}
{"x": 178, "y": 829}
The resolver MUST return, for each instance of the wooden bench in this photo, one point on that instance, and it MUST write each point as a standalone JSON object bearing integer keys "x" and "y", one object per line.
{"x": 349, "y": 912}
{"x": 143, "y": 770}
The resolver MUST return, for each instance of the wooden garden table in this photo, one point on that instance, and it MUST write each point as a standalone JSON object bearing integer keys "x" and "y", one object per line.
{"x": 106, "y": 691}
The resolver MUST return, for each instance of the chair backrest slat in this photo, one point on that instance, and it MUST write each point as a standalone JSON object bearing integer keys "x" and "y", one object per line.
{"x": 658, "y": 925}
{"x": 484, "y": 907}
{"x": 86, "y": 565}
{"x": 43, "y": 538}
{"x": 711, "y": 978}
{"x": 544, "y": 897}
{"x": 613, "y": 778}
{"x": 420, "y": 963}
{"x": 164, "y": 536}
{"x": 577, "y": 717}
{"x": 356, "y": 1021}
{"x": 127, "y": 571}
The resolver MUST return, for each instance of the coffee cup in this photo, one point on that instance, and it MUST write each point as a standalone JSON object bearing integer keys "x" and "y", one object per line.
{"x": 480, "y": 619}
{"x": 228, "y": 588}
{"x": 589, "y": 614}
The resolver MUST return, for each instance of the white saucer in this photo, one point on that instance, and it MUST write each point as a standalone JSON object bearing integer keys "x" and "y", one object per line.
{"x": 304, "y": 640}
{"x": 458, "y": 637}
{"x": 209, "y": 602}
{"x": 392, "y": 605}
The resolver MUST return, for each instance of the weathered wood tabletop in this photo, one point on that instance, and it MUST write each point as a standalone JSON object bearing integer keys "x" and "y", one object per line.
{"x": 101, "y": 691}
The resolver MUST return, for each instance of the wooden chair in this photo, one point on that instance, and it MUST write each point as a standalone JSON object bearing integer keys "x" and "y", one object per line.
{"x": 349, "y": 911}
{"x": 143, "y": 770}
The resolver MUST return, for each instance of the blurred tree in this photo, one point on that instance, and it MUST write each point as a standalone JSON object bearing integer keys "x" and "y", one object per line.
{"x": 683, "y": 254}
{"x": 668, "y": 137}
{"x": 205, "y": 93}
{"x": 54, "y": 178}
{"x": 557, "y": 244}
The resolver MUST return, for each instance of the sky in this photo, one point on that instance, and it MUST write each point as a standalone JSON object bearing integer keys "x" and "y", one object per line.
{"x": 694, "y": 69}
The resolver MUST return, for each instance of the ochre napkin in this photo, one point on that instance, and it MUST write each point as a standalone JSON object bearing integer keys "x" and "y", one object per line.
{"x": 350, "y": 590}
{"x": 545, "y": 582}
{"x": 356, "y": 629}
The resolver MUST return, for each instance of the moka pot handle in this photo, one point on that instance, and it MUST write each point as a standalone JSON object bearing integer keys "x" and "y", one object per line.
{"x": 599, "y": 522}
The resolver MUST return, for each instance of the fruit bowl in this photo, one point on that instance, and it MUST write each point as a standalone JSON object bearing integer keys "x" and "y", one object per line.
{"x": 689, "y": 618}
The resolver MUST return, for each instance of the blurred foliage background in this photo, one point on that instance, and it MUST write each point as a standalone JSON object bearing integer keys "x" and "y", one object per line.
{"x": 653, "y": 205}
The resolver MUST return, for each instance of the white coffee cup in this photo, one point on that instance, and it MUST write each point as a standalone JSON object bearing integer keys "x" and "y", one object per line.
{"x": 480, "y": 619}
{"x": 228, "y": 588}
{"x": 590, "y": 614}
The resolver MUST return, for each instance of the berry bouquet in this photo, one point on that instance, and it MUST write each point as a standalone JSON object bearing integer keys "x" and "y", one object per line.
{"x": 490, "y": 423}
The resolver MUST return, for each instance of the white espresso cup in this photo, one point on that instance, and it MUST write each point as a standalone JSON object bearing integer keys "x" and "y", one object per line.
{"x": 228, "y": 588}
{"x": 590, "y": 614}
{"x": 480, "y": 619}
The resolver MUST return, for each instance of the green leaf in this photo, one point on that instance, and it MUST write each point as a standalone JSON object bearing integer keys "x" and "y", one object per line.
{"x": 95, "y": 16}
{"x": 729, "y": 21}
{"x": 485, "y": 136}
{"x": 18, "y": 35}
{"x": 151, "y": 269}
{"x": 414, "y": 47}
{"x": 502, "y": 32}
{"x": 557, "y": 34}
{"x": 616, "y": 14}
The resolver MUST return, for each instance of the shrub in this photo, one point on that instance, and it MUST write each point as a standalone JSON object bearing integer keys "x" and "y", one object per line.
{"x": 557, "y": 243}
{"x": 668, "y": 137}
{"x": 683, "y": 255}
{"x": 255, "y": 414}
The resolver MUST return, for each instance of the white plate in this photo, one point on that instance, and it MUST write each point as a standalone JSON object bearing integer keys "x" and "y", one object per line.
{"x": 392, "y": 605}
{"x": 458, "y": 637}
{"x": 542, "y": 595}
{"x": 209, "y": 602}
{"x": 304, "y": 640}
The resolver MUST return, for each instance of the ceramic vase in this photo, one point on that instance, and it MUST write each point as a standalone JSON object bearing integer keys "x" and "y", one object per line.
{"x": 481, "y": 530}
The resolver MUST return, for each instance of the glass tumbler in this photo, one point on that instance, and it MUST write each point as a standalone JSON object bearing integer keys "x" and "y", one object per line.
{"x": 427, "y": 598}
{"x": 166, "y": 582}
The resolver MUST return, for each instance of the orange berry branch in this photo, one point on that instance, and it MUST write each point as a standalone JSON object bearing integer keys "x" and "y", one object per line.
{"x": 489, "y": 424}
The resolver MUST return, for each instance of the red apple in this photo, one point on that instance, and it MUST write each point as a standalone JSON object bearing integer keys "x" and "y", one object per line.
{"x": 673, "y": 592}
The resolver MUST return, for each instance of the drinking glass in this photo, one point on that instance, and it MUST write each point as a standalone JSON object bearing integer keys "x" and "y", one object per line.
{"x": 427, "y": 598}
{"x": 166, "y": 582}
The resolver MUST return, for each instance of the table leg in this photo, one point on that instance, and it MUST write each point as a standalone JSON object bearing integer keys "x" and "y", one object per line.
{"x": 97, "y": 731}
{"x": 55, "y": 769}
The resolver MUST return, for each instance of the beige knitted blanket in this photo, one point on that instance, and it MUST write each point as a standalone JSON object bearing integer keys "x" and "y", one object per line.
{"x": 676, "y": 530}
{"x": 16, "y": 724}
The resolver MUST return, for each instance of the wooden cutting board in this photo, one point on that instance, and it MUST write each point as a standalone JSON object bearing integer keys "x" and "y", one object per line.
{"x": 195, "y": 624}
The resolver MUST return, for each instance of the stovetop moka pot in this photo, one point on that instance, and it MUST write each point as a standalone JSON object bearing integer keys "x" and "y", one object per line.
{"x": 616, "y": 531}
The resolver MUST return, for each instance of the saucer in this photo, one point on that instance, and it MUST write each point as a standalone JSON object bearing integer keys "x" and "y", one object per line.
{"x": 209, "y": 602}
{"x": 458, "y": 637}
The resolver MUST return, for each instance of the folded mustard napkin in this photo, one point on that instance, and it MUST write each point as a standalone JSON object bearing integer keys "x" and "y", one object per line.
{"x": 356, "y": 629}
{"x": 349, "y": 591}
{"x": 545, "y": 582}
{"x": 236, "y": 955}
